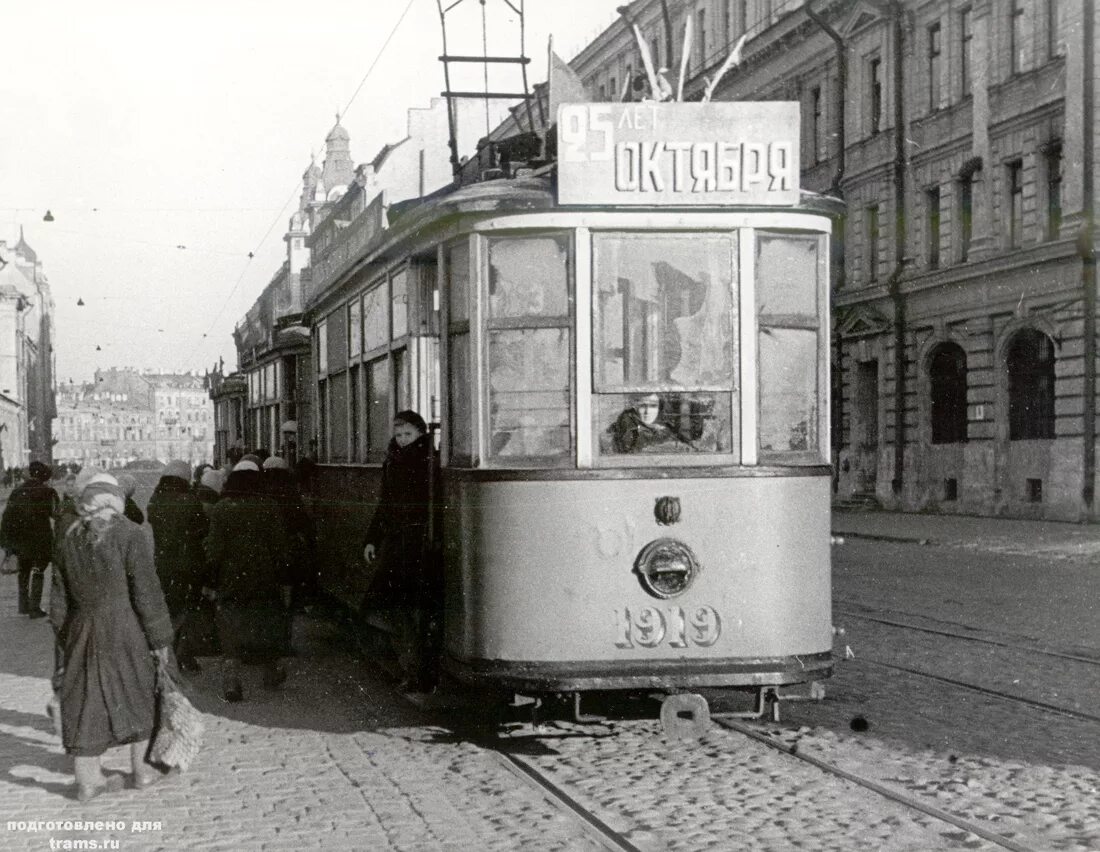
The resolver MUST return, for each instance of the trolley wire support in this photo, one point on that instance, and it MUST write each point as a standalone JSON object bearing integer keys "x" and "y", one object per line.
{"x": 485, "y": 60}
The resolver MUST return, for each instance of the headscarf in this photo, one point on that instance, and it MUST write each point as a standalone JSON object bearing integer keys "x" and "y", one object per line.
{"x": 100, "y": 502}
{"x": 213, "y": 479}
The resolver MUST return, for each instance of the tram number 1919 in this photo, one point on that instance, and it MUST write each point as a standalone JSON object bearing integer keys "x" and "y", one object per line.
{"x": 649, "y": 626}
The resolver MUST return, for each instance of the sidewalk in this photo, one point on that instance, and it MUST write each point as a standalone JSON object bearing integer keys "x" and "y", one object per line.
{"x": 995, "y": 535}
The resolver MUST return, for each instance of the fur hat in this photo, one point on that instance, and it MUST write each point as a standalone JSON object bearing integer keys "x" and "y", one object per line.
{"x": 179, "y": 469}
{"x": 39, "y": 471}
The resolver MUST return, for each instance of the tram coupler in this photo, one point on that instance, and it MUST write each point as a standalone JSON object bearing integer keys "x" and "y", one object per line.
{"x": 685, "y": 716}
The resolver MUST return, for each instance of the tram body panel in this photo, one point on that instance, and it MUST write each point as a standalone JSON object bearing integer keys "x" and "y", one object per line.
{"x": 544, "y": 573}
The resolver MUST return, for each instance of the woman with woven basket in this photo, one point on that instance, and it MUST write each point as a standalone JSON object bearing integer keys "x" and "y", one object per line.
{"x": 113, "y": 629}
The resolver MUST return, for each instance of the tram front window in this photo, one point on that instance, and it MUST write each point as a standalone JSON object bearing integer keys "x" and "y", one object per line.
{"x": 528, "y": 348}
{"x": 665, "y": 343}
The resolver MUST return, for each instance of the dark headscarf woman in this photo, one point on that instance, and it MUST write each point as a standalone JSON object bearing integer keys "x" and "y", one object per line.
{"x": 112, "y": 624}
{"x": 247, "y": 550}
{"x": 406, "y": 581}
{"x": 179, "y": 528}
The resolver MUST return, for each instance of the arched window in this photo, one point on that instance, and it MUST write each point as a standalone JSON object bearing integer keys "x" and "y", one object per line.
{"x": 947, "y": 370}
{"x": 1030, "y": 386}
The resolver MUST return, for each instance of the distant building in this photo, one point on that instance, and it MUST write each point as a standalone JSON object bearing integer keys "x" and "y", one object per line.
{"x": 26, "y": 357}
{"x": 126, "y": 415}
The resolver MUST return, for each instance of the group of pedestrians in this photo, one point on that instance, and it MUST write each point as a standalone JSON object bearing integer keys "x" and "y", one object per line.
{"x": 235, "y": 544}
{"x": 123, "y": 602}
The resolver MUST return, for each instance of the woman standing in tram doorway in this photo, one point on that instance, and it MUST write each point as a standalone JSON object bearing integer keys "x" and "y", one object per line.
{"x": 111, "y": 620}
{"x": 407, "y": 582}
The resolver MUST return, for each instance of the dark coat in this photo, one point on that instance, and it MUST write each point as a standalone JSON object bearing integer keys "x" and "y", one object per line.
{"x": 399, "y": 528}
{"x": 248, "y": 551}
{"x": 109, "y": 613}
{"x": 179, "y": 529}
{"x": 133, "y": 511}
{"x": 25, "y": 527}
{"x": 247, "y": 546}
{"x": 280, "y": 486}
{"x": 406, "y": 483}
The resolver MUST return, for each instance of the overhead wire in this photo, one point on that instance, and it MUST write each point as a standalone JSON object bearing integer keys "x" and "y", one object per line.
{"x": 279, "y": 216}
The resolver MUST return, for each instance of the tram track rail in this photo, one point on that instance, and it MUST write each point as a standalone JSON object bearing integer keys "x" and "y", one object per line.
{"x": 877, "y": 787}
{"x": 1014, "y": 646}
{"x": 984, "y": 690}
{"x": 593, "y": 827}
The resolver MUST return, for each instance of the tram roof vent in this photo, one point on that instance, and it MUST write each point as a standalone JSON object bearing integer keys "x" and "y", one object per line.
{"x": 491, "y": 174}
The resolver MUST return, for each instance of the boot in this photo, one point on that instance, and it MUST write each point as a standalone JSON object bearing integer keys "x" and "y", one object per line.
{"x": 34, "y": 598}
{"x": 24, "y": 582}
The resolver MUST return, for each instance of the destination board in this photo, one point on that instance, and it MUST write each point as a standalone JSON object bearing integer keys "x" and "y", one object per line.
{"x": 679, "y": 153}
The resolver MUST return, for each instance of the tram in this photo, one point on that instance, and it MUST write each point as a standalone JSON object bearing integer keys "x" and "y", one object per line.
{"x": 627, "y": 352}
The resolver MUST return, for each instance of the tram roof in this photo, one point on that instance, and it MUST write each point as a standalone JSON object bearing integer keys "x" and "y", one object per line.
{"x": 535, "y": 192}
{"x": 418, "y": 217}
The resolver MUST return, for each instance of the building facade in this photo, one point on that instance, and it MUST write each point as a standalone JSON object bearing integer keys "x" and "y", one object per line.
{"x": 27, "y": 401}
{"x": 960, "y": 135}
{"x": 125, "y": 416}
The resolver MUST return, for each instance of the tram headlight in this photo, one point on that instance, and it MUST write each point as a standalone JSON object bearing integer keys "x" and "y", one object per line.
{"x": 666, "y": 567}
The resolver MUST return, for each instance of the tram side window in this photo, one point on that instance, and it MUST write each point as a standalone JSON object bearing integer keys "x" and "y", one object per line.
{"x": 789, "y": 273}
{"x": 529, "y": 348}
{"x": 665, "y": 356}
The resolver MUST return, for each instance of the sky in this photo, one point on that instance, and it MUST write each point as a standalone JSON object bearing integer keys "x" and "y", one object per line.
{"x": 168, "y": 141}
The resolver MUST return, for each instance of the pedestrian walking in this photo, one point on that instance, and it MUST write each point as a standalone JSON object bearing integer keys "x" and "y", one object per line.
{"x": 247, "y": 549}
{"x": 112, "y": 624}
{"x": 129, "y": 485}
{"x": 179, "y": 530}
{"x": 280, "y": 485}
{"x": 209, "y": 488}
{"x": 406, "y": 582}
{"x": 26, "y": 530}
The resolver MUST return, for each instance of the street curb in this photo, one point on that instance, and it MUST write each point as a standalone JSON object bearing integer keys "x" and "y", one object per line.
{"x": 897, "y": 539}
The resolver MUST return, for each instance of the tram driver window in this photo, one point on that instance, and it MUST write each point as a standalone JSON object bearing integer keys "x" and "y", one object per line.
{"x": 665, "y": 343}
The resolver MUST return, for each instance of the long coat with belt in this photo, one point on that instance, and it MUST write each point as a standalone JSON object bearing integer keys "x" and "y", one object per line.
{"x": 109, "y": 612}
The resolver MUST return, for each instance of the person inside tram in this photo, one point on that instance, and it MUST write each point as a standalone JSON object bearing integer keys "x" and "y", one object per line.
{"x": 642, "y": 427}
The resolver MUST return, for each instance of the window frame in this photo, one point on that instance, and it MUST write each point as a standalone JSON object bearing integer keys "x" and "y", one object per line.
{"x": 966, "y": 50}
{"x": 933, "y": 218}
{"x": 874, "y": 93}
{"x": 951, "y": 426}
{"x": 1014, "y": 201}
{"x": 735, "y": 395}
{"x": 934, "y": 65}
{"x": 488, "y": 324}
{"x": 1039, "y": 387}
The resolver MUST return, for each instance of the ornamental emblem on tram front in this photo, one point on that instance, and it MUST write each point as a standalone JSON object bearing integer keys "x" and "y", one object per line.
{"x": 666, "y": 567}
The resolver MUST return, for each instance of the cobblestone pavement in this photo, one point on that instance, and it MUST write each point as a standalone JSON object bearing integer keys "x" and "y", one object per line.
{"x": 338, "y": 760}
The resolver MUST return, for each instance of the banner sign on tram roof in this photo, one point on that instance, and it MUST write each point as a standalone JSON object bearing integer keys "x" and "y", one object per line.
{"x": 679, "y": 153}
